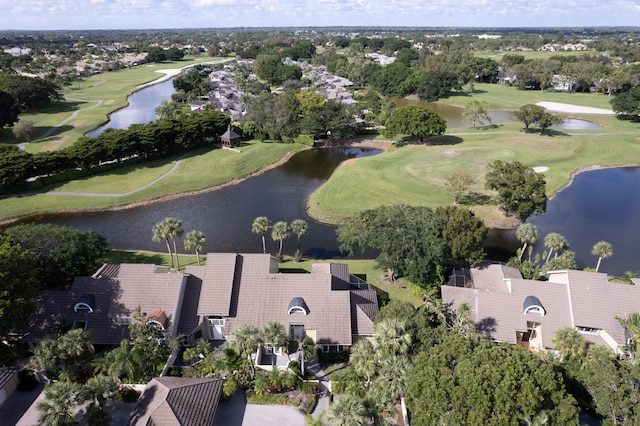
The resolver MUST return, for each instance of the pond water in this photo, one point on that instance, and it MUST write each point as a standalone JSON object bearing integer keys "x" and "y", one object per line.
{"x": 453, "y": 115}
{"x": 599, "y": 205}
{"x": 141, "y": 108}
{"x": 226, "y": 215}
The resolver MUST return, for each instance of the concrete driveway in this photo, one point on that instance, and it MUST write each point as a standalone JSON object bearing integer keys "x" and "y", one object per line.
{"x": 236, "y": 412}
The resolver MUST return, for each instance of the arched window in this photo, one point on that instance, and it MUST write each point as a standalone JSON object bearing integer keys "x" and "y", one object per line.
{"x": 532, "y": 305}
{"x": 297, "y": 305}
{"x": 86, "y": 303}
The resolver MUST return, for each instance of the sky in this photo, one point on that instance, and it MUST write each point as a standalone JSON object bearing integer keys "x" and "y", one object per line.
{"x": 156, "y": 14}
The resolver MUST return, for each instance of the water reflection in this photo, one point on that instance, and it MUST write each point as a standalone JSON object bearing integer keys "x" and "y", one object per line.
{"x": 226, "y": 215}
{"x": 141, "y": 108}
{"x": 601, "y": 205}
{"x": 453, "y": 115}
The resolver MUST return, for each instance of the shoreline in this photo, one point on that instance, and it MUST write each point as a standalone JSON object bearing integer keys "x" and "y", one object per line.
{"x": 150, "y": 201}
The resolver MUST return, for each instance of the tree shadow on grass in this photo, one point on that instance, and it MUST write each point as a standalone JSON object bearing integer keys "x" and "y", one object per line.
{"x": 116, "y": 256}
{"x": 433, "y": 141}
{"x": 474, "y": 199}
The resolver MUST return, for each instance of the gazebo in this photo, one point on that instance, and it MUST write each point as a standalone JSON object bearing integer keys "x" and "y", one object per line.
{"x": 230, "y": 138}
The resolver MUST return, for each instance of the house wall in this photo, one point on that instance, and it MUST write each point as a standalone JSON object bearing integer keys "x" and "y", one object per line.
{"x": 9, "y": 388}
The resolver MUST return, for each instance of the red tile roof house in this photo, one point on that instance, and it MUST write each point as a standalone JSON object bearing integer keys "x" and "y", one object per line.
{"x": 329, "y": 305}
{"x": 508, "y": 308}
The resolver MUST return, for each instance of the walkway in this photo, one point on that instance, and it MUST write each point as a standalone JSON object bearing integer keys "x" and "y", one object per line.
{"x": 324, "y": 386}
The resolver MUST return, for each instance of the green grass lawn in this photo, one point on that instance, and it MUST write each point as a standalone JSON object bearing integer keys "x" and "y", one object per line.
{"x": 154, "y": 258}
{"x": 414, "y": 174}
{"x": 368, "y": 271}
{"x": 94, "y": 97}
{"x": 202, "y": 168}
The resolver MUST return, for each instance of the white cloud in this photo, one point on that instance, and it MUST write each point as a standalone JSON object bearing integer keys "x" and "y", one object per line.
{"x": 96, "y": 14}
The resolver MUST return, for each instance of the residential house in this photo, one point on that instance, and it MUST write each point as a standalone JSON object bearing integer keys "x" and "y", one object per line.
{"x": 509, "y": 308}
{"x": 169, "y": 401}
{"x": 329, "y": 305}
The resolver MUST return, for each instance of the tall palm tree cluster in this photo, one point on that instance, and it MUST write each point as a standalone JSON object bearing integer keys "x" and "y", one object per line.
{"x": 169, "y": 230}
{"x": 557, "y": 255}
{"x": 280, "y": 231}
{"x": 375, "y": 380}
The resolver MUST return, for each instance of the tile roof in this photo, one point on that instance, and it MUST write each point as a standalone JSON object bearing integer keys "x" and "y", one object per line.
{"x": 243, "y": 288}
{"x": 116, "y": 297}
{"x": 170, "y": 401}
{"x": 218, "y": 275}
{"x": 569, "y": 298}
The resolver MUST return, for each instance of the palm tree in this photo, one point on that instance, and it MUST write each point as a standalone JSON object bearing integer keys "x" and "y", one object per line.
{"x": 245, "y": 339}
{"x": 299, "y": 227}
{"x": 602, "y": 249}
{"x": 392, "y": 337}
{"x": 97, "y": 391}
{"x": 274, "y": 334}
{"x": 120, "y": 362}
{"x": 555, "y": 243}
{"x": 348, "y": 410}
{"x": 195, "y": 240}
{"x": 161, "y": 233}
{"x": 59, "y": 399}
{"x": 570, "y": 344}
{"x": 527, "y": 234}
{"x": 632, "y": 324}
{"x": 392, "y": 374}
{"x": 280, "y": 232}
{"x": 174, "y": 229}
{"x": 197, "y": 352}
{"x": 379, "y": 406}
{"x": 364, "y": 360}
{"x": 261, "y": 225}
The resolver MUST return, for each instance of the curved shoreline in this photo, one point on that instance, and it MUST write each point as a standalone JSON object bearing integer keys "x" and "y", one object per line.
{"x": 153, "y": 200}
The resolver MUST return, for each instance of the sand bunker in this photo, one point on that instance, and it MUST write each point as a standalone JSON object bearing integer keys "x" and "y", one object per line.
{"x": 540, "y": 169}
{"x": 574, "y": 109}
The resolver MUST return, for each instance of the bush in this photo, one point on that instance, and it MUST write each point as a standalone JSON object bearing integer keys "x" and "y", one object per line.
{"x": 127, "y": 394}
{"x": 333, "y": 357}
{"x": 229, "y": 387}
{"x": 267, "y": 399}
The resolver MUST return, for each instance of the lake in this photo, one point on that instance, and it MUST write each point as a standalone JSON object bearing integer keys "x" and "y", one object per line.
{"x": 141, "y": 108}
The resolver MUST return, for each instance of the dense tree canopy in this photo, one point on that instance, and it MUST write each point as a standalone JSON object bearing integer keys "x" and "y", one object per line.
{"x": 627, "y": 103}
{"x": 467, "y": 381}
{"x": 10, "y": 109}
{"x": 416, "y": 242}
{"x": 416, "y": 121}
{"x": 63, "y": 252}
{"x": 19, "y": 286}
{"x": 521, "y": 191}
{"x": 30, "y": 92}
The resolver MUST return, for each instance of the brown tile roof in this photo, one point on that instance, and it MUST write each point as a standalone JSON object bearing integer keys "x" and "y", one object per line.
{"x": 215, "y": 297}
{"x": 170, "y": 401}
{"x": 596, "y": 302}
{"x": 364, "y": 308}
{"x": 116, "y": 297}
{"x": 569, "y": 298}
{"x": 256, "y": 294}
{"x": 244, "y": 288}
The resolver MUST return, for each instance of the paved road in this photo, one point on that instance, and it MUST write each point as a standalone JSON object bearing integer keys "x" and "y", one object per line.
{"x": 236, "y": 412}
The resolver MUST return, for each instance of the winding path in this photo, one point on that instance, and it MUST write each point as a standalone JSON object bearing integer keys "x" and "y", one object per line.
{"x": 101, "y": 194}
